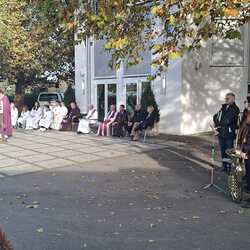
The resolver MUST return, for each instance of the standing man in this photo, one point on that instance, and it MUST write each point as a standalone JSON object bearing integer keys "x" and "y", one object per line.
{"x": 5, "y": 116}
{"x": 226, "y": 123}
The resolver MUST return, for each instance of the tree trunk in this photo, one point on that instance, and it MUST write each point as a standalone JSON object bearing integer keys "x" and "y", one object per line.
{"x": 19, "y": 86}
{"x": 19, "y": 91}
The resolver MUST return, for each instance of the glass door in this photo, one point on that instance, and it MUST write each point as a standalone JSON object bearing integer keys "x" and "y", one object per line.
{"x": 111, "y": 96}
{"x": 131, "y": 97}
{"x": 101, "y": 101}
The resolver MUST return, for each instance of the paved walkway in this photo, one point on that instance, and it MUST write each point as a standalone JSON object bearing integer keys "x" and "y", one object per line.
{"x": 33, "y": 151}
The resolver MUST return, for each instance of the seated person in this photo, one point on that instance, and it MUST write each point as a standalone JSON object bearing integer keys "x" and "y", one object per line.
{"x": 138, "y": 117}
{"x": 120, "y": 125}
{"x": 34, "y": 117}
{"x": 14, "y": 114}
{"x": 104, "y": 127}
{"x": 148, "y": 122}
{"x": 46, "y": 119}
{"x": 60, "y": 113}
{"x": 91, "y": 118}
{"x": 73, "y": 116}
{"x": 23, "y": 117}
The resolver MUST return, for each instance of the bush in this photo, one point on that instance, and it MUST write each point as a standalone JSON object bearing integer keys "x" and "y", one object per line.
{"x": 29, "y": 100}
{"x": 69, "y": 96}
{"x": 147, "y": 99}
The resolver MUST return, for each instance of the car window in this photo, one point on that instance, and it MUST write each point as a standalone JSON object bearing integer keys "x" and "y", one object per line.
{"x": 48, "y": 97}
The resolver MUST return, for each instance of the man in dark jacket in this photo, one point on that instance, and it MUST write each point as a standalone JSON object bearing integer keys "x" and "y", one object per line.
{"x": 137, "y": 118}
{"x": 120, "y": 125}
{"x": 148, "y": 121}
{"x": 226, "y": 123}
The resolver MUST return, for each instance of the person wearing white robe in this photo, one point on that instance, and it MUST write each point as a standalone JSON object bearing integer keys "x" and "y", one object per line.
{"x": 14, "y": 115}
{"x": 23, "y": 117}
{"x": 91, "y": 118}
{"x": 60, "y": 112}
{"x": 46, "y": 120}
{"x": 34, "y": 117}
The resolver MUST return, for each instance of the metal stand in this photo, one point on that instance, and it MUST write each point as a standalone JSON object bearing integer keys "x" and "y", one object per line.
{"x": 212, "y": 184}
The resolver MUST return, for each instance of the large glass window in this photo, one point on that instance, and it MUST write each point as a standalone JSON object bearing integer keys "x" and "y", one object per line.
{"x": 143, "y": 68}
{"x": 101, "y": 61}
{"x": 131, "y": 97}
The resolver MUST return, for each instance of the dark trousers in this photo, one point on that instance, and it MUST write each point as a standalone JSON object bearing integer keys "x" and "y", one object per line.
{"x": 247, "y": 165}
{"x": 225, "y": 143}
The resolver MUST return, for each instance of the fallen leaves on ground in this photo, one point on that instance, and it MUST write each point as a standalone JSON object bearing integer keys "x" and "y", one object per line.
{"x": 40, "y": 230}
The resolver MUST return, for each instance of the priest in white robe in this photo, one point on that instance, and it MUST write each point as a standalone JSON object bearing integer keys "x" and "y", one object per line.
{"x": 46, "y": 120}
{"x": 91, "y": 118}
{"x": 14, "y": 114}
{"x": 23, "y": 117}
{"x": 60, "y": 112}
{"x": 34, "y": 117}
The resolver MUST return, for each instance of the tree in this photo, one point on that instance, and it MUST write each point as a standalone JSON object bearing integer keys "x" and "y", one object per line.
{"x": 32, "y": 45}
{"x": 169, "y": 27}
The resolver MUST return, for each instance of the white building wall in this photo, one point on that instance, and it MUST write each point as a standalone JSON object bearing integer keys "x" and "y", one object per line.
{"x": 204, "y": 85}
{"x": 203, "y": 92}
{"x": 168, "y": 96}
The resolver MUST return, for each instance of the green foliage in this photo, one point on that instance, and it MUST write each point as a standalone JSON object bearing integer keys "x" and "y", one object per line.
{"x": 30, "y": 99}
{"x": 32, "y": 43}
{"x": 148, "y": 99}
{"x": 69, "y": 96}
{"x": 169, "y": 28}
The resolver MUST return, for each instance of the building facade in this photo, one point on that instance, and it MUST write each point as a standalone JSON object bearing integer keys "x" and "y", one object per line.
{"x": 188, "y": 94}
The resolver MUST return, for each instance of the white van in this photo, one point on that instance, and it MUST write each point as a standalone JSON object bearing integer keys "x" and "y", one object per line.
{"x": 45, "y": 98}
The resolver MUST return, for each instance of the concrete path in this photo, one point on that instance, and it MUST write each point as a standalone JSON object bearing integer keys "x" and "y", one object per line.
{"x": 33, "y": 151}
{"x": 86, "y": 192}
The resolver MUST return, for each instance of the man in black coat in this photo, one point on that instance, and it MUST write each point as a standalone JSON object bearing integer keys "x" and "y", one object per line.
{"x": 148, "y": 121}
{"x": 226, "y": 123}
{"x": 120, "y": 125}
{"x": 138, "y": 117}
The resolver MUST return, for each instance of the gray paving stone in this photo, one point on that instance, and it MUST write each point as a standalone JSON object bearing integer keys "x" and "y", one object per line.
{"x": 65, "y": 153}
{"x": 35, "y": 146}
{"x": 85, "y": 158}
{"x": 9, "y": 148}
{"x": 110, "y": 154}
{"x": 91, "y": 149}
{"x": 75, "y": 146}
{"x": 21, "y": 169}
{"x": 20, "y": 153}
{"x": 55, "y": 163}
{"x": 10, "y": 162}
{"x": 50, "y": 149}
{"x": 38, "y": 157}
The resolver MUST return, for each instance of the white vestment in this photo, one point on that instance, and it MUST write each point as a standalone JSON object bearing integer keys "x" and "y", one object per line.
{"x": 91, "y": 118}
{"x": 14, "y": 116}
{"x": 59, "y": 114}
{"x": 34, "y": 118}
{"x": 23, "y": 118}
{"x": 47, "y": 119}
